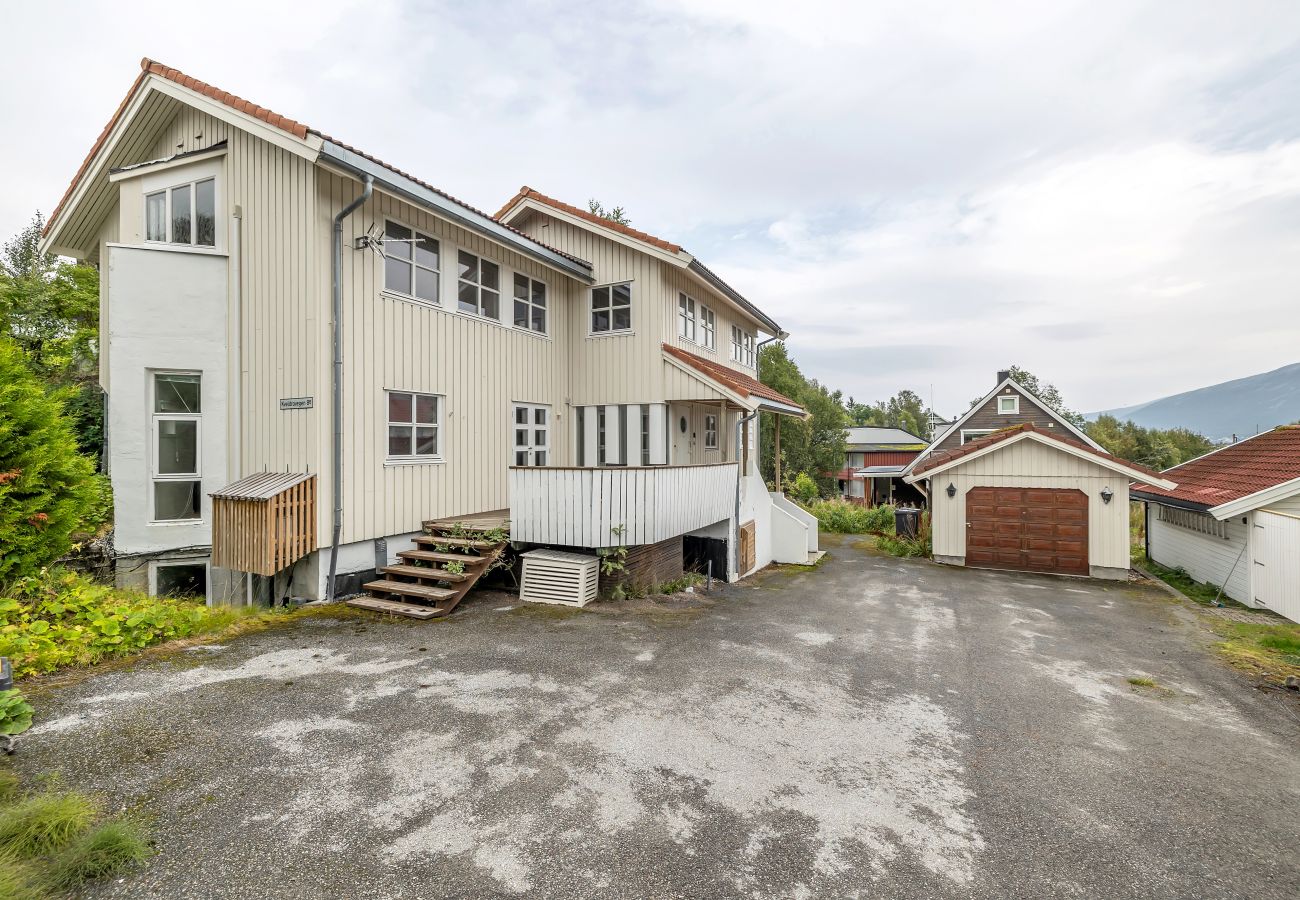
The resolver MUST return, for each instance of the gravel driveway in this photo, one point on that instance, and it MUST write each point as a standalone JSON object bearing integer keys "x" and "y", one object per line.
{"x": 875, "y": 727}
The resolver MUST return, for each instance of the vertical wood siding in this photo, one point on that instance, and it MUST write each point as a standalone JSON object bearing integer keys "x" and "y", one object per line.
{"x": 1206, "y": 557}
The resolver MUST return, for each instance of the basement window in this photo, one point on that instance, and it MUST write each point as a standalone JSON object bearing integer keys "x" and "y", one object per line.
{"x": 414, "y": 426}
{"x": 184, "y": 214}
{"x": 180, "y": 579}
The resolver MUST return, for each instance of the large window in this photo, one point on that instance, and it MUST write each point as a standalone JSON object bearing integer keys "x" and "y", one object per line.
{"x": 686, "y": 317}
{"x": 530, "y": 303}
{"x": 708, "y": 328}
{"x": 185, "y": 214}
{"x": 742, "y": 346}
{"x": 532, "y": 434}
{"x": 611, "y": 308}
{"x": 414, "y": 426}
{"x": 411, "y": 262}
{"x": 177, "y": 482}
{"x": 479, "y": 286}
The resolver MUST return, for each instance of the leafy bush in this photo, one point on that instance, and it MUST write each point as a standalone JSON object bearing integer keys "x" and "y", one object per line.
{"x": 843, "y": 517}
{"x": 803, "y": 488}
{"x": 45, "y": 486}
{"x": 61, "y": 618}
{"x": 15, "y": 713}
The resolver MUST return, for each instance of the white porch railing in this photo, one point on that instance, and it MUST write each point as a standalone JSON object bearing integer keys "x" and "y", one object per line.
{"x": 583, "y": 507}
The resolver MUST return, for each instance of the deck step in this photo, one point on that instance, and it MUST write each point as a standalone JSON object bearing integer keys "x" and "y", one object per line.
{"x": 413, "y": 610}
{"x": 429, "y": 540}
{"x": 426, "y": 572}
{"x": 435, "y": 556}
{"x": 406, "y": 588}
{"x": 433, "y": 525}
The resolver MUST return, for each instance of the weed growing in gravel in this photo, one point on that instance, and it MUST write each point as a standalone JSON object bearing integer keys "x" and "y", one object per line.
{"x": 103, "y": 851}
{"x": 1142, "y": 681}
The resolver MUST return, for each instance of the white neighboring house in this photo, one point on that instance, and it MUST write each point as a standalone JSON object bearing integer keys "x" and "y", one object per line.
{"x": 595, "y": 384}
{"x": 1234, "y": 520}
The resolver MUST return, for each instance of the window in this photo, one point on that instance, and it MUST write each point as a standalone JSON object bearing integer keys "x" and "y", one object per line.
{"x": 414, "y": 423}
{"x": 710, "y": 432}
{"x": 970, "y": 434}
{"x": 742, "y": 346}
{"x": 685, "y": 317}
{"x": 411, "y": 263}
{"x": 177, "y": 482}
{"x": 1193, "y": 521}
{"x": 611, "y": 308}
{"x": 645, "y": 434}
{"x": 181, "y": 579}
{"x": 532, "y": 434}
{"x": 185, "y": 214}
{"x": 708, "y": 328}
{"x": 1009, "y": 405}
{"x": 530, "y": 303}
{"x": 479, "y": 289}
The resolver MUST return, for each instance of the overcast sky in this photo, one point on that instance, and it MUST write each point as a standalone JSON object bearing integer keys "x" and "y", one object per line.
{"x": 1107, "y": 194}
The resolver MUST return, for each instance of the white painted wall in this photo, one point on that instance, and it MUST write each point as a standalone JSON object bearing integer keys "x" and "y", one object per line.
{"x": 167, "y": 311}
{"x": 799, "y": 514}
{"x": 1205, "y": 557}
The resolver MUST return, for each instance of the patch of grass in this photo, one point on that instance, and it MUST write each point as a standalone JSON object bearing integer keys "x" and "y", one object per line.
{"x": 44, "y": 823}
{"x": 677, "y": 585}
{"x": 1142, "y": 681}
{"x": 1269, "y": 650}
{"x": 107, "y": 849}
{"x": 17, "y": 881}
{"x": 10, "y": 787}
{"x": 1201, "y": 592}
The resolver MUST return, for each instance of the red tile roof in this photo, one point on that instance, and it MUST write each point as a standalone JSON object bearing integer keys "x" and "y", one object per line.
{"x": 736, "y": 381}
{"x": 1238, "y": 470}
{"x": 527, "y": 193}
{"x": 934, "y": 460}
{"x": 297, "y": 129}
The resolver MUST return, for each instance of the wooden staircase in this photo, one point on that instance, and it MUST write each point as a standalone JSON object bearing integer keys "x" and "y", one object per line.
{"x": 449, "y": 559}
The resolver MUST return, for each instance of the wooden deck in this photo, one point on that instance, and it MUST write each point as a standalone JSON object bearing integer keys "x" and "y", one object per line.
{"x": 483, "y": 521}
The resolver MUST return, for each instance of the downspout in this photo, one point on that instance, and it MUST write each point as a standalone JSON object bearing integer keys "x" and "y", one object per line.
{"x": 740, "y": 475}
{"x": 336, "y": 479}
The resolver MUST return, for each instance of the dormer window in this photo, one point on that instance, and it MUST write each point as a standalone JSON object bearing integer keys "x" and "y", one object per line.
{"x": 1009, "y": 405}
{"x": 185, "y": 214}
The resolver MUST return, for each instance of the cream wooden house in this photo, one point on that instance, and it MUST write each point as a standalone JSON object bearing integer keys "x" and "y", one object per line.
{"x": 276, "y": 301}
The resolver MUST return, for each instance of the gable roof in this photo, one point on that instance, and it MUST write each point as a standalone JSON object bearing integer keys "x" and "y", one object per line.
{"x": 736, "y": 382}
{"x": 528, "y": 198}
{"x": 1238, "y": 477}
{"x": 861, "y": 437}
{"x": 975, "y": 407}
{"x": 945, "y": 459}
{"x": 322, "y": 147}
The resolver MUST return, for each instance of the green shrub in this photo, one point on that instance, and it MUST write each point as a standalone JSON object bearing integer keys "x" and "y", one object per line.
{"x": 107, "y": 849}
{"x": 99, "y": 512}
{"x": 15, "y": 713}
{"x": 45, "y": 484}
{"x": 803, "y": 489}
{"x": 919, "y": 546}
{"x": 843, "y": 517}
{"x": 44, "y": 823}
{"x": 62, "y": 618}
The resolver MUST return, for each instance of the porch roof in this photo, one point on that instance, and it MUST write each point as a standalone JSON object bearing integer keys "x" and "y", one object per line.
{"x": 749, "y": 391}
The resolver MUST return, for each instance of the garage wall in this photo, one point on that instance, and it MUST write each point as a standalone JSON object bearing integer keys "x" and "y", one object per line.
{"x": 1029, "y": 464}
{"x": 1205, "y": 557}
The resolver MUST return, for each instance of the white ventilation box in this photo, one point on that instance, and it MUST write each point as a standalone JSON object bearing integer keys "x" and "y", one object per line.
{"x": 553, "y": 576}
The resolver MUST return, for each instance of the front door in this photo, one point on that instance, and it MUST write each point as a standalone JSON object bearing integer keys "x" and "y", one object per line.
{"x": 532, "y": 428}
{"x": 1028, "y": 529}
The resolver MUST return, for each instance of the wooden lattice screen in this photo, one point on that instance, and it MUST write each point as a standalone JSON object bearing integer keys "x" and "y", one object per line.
{"x": 264, "y": 523}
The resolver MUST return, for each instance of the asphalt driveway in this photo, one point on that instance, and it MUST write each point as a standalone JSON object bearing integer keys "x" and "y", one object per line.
{"x": 875, "y": 728}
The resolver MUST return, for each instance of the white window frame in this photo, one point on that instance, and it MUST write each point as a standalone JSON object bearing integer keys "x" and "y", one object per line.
{"x": 477, "y": 284}
{"x": 440, "y": 416}
{"x": 686, "y": 317}
{"x": 205, "y": 561}
{"x": 1015, "y": 405}
{"x": 411, "y": 263}
{"x": 166, "y": 194}
{"x": 591, "y": 309}
{"x": 155, "y": 420}
{"x": 531, "y": 448}
{"x": 742, "y": 346}
{"x": 710, "y": 431}
{"x": 975, "y": 434}
{"x": 708, "y": 328}
{"x": 545, "y": 307}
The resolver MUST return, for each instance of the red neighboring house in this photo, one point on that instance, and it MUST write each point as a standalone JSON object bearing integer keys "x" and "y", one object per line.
{"x": 874, "y": 464}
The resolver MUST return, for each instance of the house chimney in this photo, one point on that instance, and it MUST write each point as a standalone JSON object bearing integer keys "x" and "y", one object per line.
{"x": 1003, "y": 375}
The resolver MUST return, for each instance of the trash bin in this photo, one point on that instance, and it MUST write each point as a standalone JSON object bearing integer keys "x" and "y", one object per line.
{"x": 907, "y": 521}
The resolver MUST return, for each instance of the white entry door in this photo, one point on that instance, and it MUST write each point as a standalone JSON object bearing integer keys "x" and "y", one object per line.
{"x": 532, "y": 427}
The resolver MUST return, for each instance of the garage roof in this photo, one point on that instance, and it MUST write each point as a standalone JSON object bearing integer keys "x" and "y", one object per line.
{"x": 946, "y": 459}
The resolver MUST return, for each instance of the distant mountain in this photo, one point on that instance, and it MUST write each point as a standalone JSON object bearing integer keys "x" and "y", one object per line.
{"x": 1241, "y": 407}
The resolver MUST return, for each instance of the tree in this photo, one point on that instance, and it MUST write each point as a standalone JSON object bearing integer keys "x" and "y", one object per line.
{"x": 50, "y": 309}
{"x": 615, "y": 215}
{"x": 1152, "y": 447}
{"x": 1047, "y": 393}
{"x": 46, "y": 486}
{"x": 814, "y": 447}
{"x": 905, "y": 410}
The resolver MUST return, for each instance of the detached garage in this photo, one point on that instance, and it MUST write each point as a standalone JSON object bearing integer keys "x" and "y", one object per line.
{"x": 1234, "y": 520}
{"x": 1032, "y": 501}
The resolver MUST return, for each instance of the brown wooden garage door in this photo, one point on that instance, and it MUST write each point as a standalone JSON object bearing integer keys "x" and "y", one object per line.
{"x": 1033, "y": 529}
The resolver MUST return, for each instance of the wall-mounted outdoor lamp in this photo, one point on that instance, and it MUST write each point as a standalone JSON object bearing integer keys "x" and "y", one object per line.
{"x": 1106, "y": 494}
{"x": 952, "y": 489}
